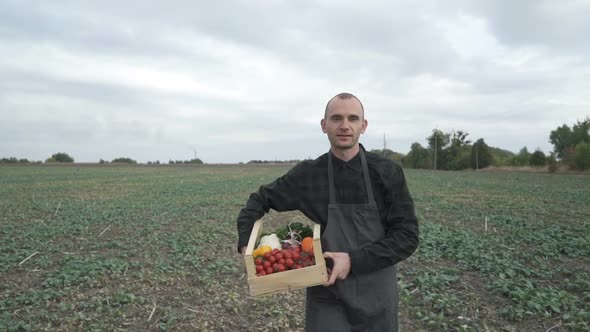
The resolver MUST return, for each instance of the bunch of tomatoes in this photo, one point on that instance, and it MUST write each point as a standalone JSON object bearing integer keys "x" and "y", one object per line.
{"x": 291, "y": 257}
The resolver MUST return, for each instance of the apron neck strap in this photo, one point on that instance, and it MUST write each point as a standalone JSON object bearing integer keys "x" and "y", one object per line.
{"x": 365, "y": 176}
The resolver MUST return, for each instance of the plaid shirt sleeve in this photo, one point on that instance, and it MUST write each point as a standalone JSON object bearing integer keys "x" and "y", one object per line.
{"x": 280, "y": 195}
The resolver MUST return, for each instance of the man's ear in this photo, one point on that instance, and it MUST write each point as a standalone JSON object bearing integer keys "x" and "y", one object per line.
{"x": 365, "y": 124}
{"x": 323, "y": 124}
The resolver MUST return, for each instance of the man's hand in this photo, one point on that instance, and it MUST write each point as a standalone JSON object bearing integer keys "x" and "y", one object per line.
{"x": 341, "y": 267}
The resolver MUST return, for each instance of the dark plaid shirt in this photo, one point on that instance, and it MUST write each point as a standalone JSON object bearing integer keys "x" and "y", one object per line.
{"x": 305, "y": 188}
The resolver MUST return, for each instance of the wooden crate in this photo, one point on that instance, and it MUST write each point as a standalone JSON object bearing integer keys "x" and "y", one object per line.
{"x": 287, "y": 280}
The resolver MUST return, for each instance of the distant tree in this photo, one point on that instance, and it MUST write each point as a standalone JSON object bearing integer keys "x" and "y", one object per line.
{"x": 481, "y": 156}
{"x": 522, "y": 158}
{"x": 581, "y": 131}
{"x": 196, "y": 161}
{"x": 461, "y": 158}
{"x": 437, "y": 142}
{"x": 418, "y": 157}
{"x": 582, "y": 156}
{"x": 538, "y": 158}
{"x": 124, "y": 160}
{"x": 60, "y": 157}
{"x": 564, "y": 137}
{"x": 11, "y": 160}
{"x": 458, "y": 152}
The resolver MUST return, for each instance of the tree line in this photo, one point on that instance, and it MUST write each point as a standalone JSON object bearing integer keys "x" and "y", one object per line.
{"x": 444, "y": 151}
{"x": 455, "y": 151}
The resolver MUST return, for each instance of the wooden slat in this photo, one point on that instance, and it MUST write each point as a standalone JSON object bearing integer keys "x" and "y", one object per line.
{"x": 249, "y": 261}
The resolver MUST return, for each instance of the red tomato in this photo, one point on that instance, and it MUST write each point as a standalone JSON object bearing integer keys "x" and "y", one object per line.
{"x": 298, "y": 266}
{"x": 279, "y": 256}
{"x": 269, "y": 270}
{"x": 275, "y": 251}
{"x": 281, "y": 268}
{"x": 282, "y": 261}
{"x": 258, "y": 261}
{"x": 266, "y": 264}
{"x": 289, "y": 262}
{"x": 287, "y": 255}
{"x": 267, "y": 255}
{"x": 263, "y": 273}
{"x": 272, "y": 259}
{"x": 295, "y": 255}
{"x": 259, "y": 268}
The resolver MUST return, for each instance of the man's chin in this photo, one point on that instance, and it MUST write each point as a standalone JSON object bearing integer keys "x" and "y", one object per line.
{"x": 343, "y": 146}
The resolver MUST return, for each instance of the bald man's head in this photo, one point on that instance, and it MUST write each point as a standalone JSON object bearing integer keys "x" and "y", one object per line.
{"x": 343, "y": 96}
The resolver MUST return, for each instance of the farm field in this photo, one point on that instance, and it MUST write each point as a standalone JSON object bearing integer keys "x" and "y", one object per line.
{"x": 135, "y": 248}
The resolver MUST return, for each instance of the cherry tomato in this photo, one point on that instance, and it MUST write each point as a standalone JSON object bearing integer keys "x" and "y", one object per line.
{"x": 281, "y": 268}
{"x": 258, "y": 261}
{"x": 269, "y": 270}
{"x": 287, "y": 255}
{"x": 272, "y": 259}
{"x": 266, "y": 264}
{"x": 267, "y": 255}
{"x": 259, "y": 268}
{"x": 275, "y": 251}
{"x": 282, "y": 261}
{"x": 289, "y": 262}
{"x": 279, "y": 256}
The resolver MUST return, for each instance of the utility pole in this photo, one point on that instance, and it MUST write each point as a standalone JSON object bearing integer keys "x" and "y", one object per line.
{"x": 435, "y": 146}
{"x": 476, "y": 158}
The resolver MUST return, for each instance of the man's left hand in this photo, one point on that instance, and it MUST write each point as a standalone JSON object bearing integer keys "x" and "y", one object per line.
{"x": 341, "y": 267}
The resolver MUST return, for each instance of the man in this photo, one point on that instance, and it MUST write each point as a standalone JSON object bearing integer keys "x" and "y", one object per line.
{"x": 368, "y": 222}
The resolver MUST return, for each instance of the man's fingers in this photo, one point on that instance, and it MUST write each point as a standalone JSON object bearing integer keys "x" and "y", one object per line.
{"x": 331, "y": 279}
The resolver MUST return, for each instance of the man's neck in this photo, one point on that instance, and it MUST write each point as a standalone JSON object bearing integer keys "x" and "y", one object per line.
{"x": 346, "y": 154}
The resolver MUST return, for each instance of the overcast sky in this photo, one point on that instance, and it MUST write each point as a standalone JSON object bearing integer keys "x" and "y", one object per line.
{"x": 242, "y": 80}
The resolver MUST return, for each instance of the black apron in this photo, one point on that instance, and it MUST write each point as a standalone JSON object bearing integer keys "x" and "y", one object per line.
{"x": 366, "y": 302}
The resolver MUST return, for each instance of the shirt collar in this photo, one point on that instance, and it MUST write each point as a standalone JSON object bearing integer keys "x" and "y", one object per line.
{"x": 354, "y": 163}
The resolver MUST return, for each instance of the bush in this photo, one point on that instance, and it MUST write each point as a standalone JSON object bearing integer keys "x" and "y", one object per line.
{"x": 538, "y": 158}
{"x": 582, "y": 156}
{"x": 60, "y": 157}
{"x": 124, "y": 160}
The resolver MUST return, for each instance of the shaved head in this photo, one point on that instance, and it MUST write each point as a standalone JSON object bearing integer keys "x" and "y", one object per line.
{"x": 343, "y": 96}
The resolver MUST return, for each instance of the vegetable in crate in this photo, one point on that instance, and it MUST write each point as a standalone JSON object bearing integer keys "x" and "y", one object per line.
{"x": 295, "y": 232}
{"x": 291, "y": 258}
{"x": 271, "y": 240}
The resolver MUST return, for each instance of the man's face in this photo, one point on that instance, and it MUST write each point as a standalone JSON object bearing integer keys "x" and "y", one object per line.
{"x": 344, "y": 123}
